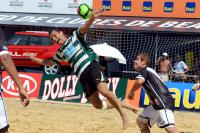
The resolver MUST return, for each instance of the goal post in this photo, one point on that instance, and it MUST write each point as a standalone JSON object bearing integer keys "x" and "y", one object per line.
{"x": 130, "y": 43}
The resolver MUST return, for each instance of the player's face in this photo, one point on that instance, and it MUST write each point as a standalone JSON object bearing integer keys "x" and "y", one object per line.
{"x": 57, "y": 36}
{"x": 138, "y": 64}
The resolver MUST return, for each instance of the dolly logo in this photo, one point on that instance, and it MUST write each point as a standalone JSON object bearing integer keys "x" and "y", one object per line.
{"x": 28, "y": 82}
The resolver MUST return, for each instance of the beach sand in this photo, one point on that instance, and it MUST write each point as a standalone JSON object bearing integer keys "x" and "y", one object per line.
{"x": 58, "y": 117}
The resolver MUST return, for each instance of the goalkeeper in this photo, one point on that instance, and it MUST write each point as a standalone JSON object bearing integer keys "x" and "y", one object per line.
{"x": 75, "y": 51}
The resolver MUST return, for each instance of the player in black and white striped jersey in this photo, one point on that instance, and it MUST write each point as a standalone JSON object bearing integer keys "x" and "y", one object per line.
{"x": 161, "y": 109}
{"x": 9, "y": 66}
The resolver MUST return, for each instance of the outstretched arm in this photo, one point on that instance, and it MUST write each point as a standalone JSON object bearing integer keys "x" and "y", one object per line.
{"x": 11, "y": 69}
{"x": 86, "y": 26}
{"x": 45, "y": 62}
{"x": 137, "y": 85}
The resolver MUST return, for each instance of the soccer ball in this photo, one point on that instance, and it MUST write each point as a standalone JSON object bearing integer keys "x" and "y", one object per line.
{"x": 84, "y": 11}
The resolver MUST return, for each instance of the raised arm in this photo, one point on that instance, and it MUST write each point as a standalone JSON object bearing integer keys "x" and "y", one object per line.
{"x": 85, "y": 27}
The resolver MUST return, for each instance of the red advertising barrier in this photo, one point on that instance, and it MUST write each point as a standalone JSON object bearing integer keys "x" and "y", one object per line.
{"x": 30, "y": 81}
{"x": 150, "y": 8}
{"x": 136, "y": 100}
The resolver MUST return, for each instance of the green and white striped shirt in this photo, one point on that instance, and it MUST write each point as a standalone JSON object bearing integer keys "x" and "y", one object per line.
{"x": 76, "y": 52}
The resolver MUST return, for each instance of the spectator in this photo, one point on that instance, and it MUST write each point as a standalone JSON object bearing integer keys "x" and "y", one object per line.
{"x": 103, "y": 63}
{"x": 165, "y": 67}
{"x": 197, "y": 64}
{"x": 109, "y": 65}
{"x": 180, "y": 68}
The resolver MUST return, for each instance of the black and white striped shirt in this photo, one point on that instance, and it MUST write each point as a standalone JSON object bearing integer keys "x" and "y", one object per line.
{"x": 156, "y": 89}
{"x": 76, "y": 52}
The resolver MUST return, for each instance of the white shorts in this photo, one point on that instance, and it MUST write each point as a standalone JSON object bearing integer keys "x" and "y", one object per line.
{"x": 164, "y": 118}
{"x": 3, "y": 114}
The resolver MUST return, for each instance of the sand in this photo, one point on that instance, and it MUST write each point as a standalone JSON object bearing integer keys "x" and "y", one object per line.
{"x": 56, "y": 117}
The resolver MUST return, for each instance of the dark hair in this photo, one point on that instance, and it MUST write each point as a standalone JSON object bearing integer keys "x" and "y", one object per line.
{"x": 166, "y": 57}
{"x": 2, "y": 37}
{"x": 53, "y": 29}
{"x": 66, "y": 32}
{"x": 144, "y": 57}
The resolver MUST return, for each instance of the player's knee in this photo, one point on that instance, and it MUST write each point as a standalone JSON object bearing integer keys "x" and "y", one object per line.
{"x": 171, "y": 130}
{"x": 102, "y": 88}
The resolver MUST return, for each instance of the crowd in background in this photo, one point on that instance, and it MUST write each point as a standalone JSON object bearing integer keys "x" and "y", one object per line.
{"x": 174, "y": 72}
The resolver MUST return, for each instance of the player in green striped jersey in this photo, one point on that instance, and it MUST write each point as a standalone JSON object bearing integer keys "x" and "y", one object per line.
{"x": 75, "y": 51}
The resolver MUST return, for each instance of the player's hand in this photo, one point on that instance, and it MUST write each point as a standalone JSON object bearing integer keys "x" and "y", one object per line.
{"x": 131, "y": 96}
{"x": 30, "y": 56}
{"x": 23, "y": 97}
{"x": 196, "y": 87}
{"x": 97, "y": 13}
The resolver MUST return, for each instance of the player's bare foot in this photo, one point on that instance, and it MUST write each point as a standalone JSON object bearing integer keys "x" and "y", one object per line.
{"x": 125, "y": 120}
{"x": 125, "y": 104}
{"x": 135, "y": 110}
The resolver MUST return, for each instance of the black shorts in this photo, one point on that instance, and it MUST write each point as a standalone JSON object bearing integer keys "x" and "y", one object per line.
{"x": 91, "y": 77}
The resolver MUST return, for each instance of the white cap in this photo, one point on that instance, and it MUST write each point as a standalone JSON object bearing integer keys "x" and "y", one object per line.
{"x": 165, "y": 54}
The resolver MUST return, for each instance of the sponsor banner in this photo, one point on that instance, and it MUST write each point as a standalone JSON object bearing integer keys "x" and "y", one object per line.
{"x": 68, "y": 88}
{"x": 42, "y": 6}
{"x": 118, "y": 23}
{"x": 150, "y": 8}
{"x": 185, "y": 97}
{"x": 148, "y": 24}
{"x": 60, "y": 88}
{"x": 30, "y": 81}
{"x": 46, "y": 20}
{"x": 136, "y": 100}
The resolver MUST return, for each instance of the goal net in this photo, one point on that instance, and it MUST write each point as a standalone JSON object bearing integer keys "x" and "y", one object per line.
{"x": 130, "y": 43}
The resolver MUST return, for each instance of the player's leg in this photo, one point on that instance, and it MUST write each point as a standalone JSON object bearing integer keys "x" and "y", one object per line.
{"x": 146, "y": 119}
{"x": 166, "y": 120}
{"x": 93, "y": 79}
{"x": 144, "y": 128}
{"x": 3, "y": 117}
{"x": 124, "y": 104}
{"x": 95, "y": 100}
{"x": 111, "y": 97}
{"x": 100, "y": 103}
